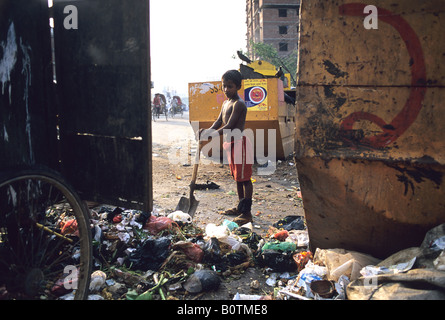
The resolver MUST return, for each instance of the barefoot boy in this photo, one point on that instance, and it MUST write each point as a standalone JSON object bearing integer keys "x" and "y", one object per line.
{"x": 230, "y": 123}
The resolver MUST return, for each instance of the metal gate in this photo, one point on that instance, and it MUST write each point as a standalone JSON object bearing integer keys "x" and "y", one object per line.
{"x": 90, "y": 120}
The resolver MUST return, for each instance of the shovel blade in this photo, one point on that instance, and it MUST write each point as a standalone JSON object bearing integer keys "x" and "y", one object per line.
{"x": 183, "y": 204}
{"x": 187, "y": 205}
{"x": 193, "y": 206}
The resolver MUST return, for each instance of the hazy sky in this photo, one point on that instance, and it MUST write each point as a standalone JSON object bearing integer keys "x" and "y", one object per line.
{"x": 194, "y": 41}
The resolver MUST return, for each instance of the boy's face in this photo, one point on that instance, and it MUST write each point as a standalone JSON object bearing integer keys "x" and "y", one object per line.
{"x": 230, "y": 89}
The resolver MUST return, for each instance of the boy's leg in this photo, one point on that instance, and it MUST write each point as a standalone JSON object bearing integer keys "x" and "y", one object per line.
{"x": 248, "y": 189}
{"x": 245, "y": 205}
{"x": 234, "y": 211}
{"x": 231, "y": 212}
{"x": 240, "y": 190}
{"x": 240, "y": 171}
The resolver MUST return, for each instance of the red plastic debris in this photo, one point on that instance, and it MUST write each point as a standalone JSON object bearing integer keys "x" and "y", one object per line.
{"x": 191, "y": 250}
{"x": 281, "y": 235}
{"x": 117, "y": 219}
{"x": 70, "y": 227}
{"x": 156, "y": 224}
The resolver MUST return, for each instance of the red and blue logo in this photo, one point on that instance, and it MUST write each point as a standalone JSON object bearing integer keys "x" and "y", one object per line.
{"x": 253, "y": 96}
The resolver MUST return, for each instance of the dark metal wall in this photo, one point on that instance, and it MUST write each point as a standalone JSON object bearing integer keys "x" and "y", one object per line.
{"x": 27, "y": 120}
{"x": 103, "y": 94}
{"x": 100, "y": 102}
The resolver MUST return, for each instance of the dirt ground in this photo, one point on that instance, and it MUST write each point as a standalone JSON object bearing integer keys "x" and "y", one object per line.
{"x": 275, "y": 195}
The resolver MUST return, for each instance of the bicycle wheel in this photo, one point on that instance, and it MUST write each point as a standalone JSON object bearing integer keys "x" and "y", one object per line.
{"x": 45, "y": 238}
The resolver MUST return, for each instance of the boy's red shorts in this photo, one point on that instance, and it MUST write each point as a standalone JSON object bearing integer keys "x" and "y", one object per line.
{"x": 240, "y": 156}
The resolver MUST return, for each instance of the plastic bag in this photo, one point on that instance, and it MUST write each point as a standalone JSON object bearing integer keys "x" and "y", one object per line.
{"x": 281, "y": 235}
{"x": 252, "y": 240}
{"x": 291, "y": 223}
{"x": 230, "y": 224}
{"x": 280, "y": 246}
{"x": 212, "y": 251}
{"x": 180, "y": 217}
{"x": 97, "y": 282}
{"x": 438, "y": 244}
{"x": 343, "y": 262}
{"x": 300, "y": 237}
{"x": 156, "y": 224}
{"x": 277, "y": 261}
{"x": 70, "y": 228}
{"x": 370, "y": 271}
{"x": 218, "y": 232}
{"x": 191, "y": 250}
{"x": 310, "y": 273}
{"x": 202, "y": 280}
{"x": 150, "y": 254}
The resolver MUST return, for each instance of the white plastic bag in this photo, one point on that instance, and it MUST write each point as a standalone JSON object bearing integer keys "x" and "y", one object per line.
{"x": 218, "y": 232}
{"x": 310, "y": 273}
{"x": 179, "y": 216}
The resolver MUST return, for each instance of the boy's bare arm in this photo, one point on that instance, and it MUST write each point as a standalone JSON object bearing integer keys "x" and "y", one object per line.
{"x": 214, "y": 126}
{"x": 217, "y": 124}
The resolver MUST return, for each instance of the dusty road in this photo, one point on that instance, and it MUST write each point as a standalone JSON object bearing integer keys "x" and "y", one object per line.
{"x": 275, "y": 196}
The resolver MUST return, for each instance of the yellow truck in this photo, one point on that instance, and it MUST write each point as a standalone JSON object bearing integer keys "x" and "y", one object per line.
{"x": 271, "y": 109}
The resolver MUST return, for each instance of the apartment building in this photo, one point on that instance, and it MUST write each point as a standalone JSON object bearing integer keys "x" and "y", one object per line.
{"x": 274, "y": 22}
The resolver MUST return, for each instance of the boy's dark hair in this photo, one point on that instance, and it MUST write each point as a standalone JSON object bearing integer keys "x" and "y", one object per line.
{"x": 233, "y": 75}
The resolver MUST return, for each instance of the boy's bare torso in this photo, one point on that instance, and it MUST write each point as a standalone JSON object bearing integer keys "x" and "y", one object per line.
{"x": 228, "y": 109}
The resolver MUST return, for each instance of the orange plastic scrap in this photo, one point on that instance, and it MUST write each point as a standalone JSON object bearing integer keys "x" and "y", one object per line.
{"x": 70, "y": 227}
{"x": 281, "y": 235}
{"x": 302, "y": 258}
{"x": 117, "y": 219}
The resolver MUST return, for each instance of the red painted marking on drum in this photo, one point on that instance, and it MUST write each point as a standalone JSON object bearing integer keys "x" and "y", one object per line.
{"x": 413, "y": 105}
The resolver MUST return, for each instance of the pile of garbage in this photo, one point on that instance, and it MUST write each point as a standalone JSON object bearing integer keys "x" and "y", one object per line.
{"x": 140, "y": 256}
{"x": 148, "y": 256}
{"x": 416, "y": 273}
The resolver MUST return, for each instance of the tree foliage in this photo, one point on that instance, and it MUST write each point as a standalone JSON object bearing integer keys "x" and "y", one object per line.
{"x": 270, "y": 54}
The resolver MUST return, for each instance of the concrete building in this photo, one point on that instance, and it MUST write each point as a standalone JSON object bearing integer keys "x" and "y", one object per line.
{"x": 273, "y": 22}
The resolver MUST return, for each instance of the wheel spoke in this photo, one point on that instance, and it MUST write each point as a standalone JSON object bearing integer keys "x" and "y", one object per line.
{"x": 34, "y": 246}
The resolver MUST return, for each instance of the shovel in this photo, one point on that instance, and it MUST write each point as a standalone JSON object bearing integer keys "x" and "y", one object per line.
{"x": 189, "y": 205}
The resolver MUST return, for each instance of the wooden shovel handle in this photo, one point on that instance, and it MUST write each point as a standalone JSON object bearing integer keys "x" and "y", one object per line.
{"x": 195, "y": 166}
